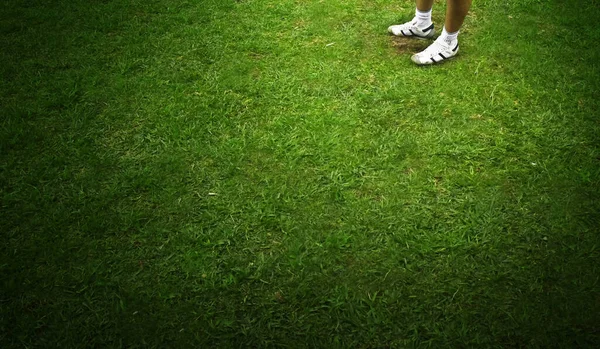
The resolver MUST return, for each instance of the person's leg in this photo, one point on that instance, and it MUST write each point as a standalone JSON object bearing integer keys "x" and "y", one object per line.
{"x": 420, "y": 26}
{"x": 456, "y": 11}
{"x": 424, "y": 5}
{"x": 446, "y": 45}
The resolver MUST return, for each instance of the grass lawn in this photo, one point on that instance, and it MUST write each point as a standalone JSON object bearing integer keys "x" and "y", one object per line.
{"x": 278, "y": 173}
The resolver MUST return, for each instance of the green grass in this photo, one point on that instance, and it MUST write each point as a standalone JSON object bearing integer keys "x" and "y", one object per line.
{"x": 267, "y": 173}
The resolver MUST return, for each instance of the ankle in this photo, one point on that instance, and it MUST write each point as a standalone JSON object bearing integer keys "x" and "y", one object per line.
{"x": 449, "y": 37}
{"x": 423, "y": 18}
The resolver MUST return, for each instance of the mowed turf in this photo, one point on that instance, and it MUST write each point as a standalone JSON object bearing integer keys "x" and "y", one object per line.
{"x": 277, "y": 173}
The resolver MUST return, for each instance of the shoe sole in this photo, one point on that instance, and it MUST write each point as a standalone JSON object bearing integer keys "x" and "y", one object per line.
{"x": 432, "y": 63}
{"x": 413, "y": 36}
{"x": 418, "y": 37}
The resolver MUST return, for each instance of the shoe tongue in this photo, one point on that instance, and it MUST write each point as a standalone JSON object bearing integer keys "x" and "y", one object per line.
{"x": 444, "y": 41}
{"x": 434, "y": 48}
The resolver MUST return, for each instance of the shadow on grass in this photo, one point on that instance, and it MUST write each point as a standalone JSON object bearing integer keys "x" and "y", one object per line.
{"x": 409, "y": 46}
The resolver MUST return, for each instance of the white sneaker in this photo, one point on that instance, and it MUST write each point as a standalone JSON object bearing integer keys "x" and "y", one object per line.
{"x": 411, "y": 29}
{"x": 437, "y": 52}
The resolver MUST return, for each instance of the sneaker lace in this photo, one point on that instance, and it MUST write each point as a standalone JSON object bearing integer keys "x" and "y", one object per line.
{"x": 438, "y": 46}
{"x": 408, "y": 25}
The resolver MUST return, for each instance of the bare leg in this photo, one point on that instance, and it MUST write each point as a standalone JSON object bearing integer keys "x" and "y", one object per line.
{"x": 424, "y": 5}
{"x": 456, "y": 11}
